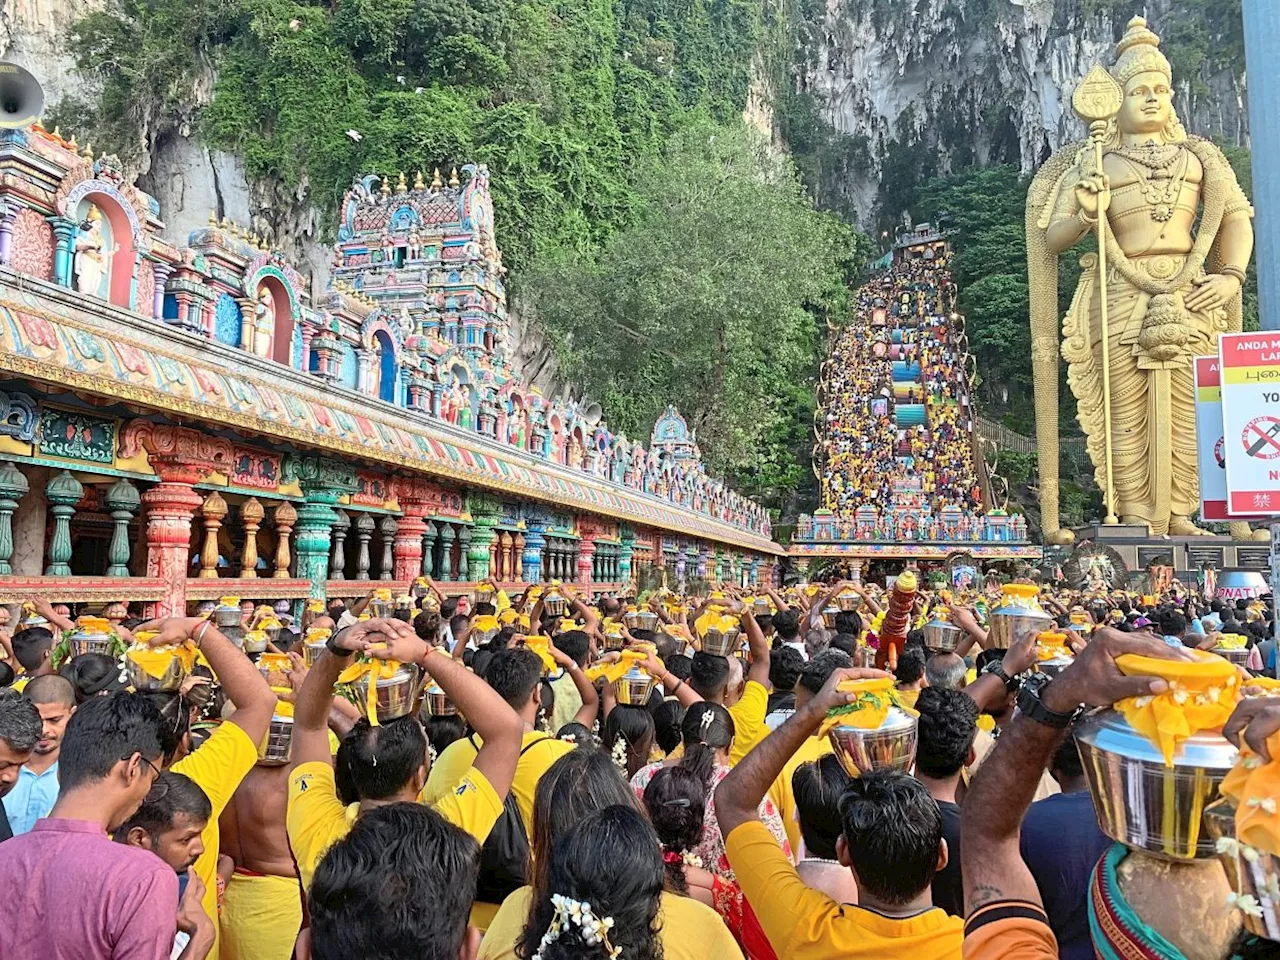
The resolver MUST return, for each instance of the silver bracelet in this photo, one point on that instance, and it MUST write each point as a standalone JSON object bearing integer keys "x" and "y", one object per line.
{"x": 198, "y": 637}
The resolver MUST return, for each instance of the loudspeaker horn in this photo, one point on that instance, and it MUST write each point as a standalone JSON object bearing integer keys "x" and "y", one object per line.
{"x": 21, "y": 97}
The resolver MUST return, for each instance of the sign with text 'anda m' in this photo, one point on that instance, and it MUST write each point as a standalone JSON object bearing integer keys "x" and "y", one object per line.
{"x": 1250, "y": 384}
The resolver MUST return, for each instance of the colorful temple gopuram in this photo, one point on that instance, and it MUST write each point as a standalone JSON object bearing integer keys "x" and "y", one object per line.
{"x": 184, "y": 422}
{"x": 895, "y": 453}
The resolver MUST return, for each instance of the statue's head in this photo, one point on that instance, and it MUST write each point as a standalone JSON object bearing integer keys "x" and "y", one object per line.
{"x": 1147, "y": 80}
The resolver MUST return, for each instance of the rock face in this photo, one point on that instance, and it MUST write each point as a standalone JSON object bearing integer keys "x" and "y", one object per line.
{"x": 990, "y": 81}
{"x": 965, "y": 81}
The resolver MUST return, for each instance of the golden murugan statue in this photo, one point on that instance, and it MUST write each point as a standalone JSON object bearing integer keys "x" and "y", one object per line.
{"x": 1161, "y": 291}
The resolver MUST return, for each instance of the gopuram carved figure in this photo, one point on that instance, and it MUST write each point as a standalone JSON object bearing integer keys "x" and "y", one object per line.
{"x": 93, "y": 255}
{"x": 1156, "y": 294}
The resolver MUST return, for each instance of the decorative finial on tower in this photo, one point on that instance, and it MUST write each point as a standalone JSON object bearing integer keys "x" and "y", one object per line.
{"x": 453, "y": 178}
{"x": 88, "y": 152}
{"x": 57, "y": 131}
{"x": 226, "y": 223}
{"x": 436, "y": 182}
{"x": 418, "y": 182}
{"x": 385, "y": 190}
{"x": 401, "y": 185}
{"x": 72, "y": 142}
{"x": 213, "y": 217}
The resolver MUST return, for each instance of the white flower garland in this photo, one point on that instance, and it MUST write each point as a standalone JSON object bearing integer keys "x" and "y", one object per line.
{"x": 619, "y": 753}
{"x": 570, "y": 913}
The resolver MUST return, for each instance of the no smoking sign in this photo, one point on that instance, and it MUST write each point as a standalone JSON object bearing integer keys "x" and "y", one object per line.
{"x": 1261, "y": 438}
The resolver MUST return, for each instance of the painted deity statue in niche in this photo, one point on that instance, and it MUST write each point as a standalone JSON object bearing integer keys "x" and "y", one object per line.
{"x": 264, "y": 320}
{"x": 94, "y": 251}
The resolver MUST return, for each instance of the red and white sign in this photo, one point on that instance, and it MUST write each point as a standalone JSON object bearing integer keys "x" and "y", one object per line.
{"x": 1250, "y": 384}
{"x": 1209, "y": 441}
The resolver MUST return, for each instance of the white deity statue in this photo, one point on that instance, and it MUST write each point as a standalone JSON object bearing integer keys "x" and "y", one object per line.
{"x": 264, "y": 321}
{"x": 93, "y": 257}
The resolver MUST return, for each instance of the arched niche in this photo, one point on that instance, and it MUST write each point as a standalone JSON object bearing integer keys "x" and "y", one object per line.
{"x": 104, "y": 249}
{"x": 275, "y": 307}
{"x": 385, "y": 368}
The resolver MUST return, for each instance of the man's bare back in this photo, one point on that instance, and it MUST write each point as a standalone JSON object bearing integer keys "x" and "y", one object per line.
{"x": 253, "y": 823}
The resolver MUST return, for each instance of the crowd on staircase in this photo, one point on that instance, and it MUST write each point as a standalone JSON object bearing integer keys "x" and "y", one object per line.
{"x": 896, "y": 424}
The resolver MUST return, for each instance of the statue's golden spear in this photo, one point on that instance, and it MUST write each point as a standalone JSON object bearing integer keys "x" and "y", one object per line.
{"x": 1096, "y": 101}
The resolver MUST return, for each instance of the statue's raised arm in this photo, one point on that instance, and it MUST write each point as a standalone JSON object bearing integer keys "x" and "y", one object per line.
{"x": 1168, "y": 291}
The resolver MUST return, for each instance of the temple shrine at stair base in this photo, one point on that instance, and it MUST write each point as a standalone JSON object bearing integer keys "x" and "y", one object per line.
{"x": 183, "y": 422}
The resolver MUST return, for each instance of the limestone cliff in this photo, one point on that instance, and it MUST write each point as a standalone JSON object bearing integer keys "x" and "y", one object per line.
{"x": 989, "y": 81}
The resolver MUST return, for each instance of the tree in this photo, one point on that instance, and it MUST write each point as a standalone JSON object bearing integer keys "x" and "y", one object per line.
{"x": 715, "y": 299}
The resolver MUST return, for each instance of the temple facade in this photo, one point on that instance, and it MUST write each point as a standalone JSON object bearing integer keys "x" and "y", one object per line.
{"x": 180, "y": 423}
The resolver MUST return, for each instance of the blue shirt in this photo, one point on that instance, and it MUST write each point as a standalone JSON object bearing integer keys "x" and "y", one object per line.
{"x": 1061, "y": 842}
{"x": 31, "y": 798}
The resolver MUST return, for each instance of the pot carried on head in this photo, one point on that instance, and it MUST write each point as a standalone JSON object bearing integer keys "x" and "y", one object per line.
{"x": 275, "y": 749}
{"x": 613, "y": 638}
{"x": 382, "y": 690}
{"x": 1155, "y": 762}
{"x": 93, "y": 635}
{"x": 555, "y": 603}
{"x": 942, "y": 636}
{"x": 313, "y": 644}
{"x": 634, "y": 686}
{"x": 1018, "y": 615}
{"x": 227, "y": 613}
{"x": 874, "y": 732}
{"x": 438, "y": 703}
{"x": 722, "y": 639}
{"x": 158, "y": 669}
{"x": 383, "y": 603}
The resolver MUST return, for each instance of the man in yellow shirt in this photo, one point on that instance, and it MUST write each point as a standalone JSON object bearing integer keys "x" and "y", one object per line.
{"x": 412, "y": 905}
{"x": 713, "y": 678}
{"x": 891, "y": 840}
{"x": 812, "y": 679}
{"x": 515, "y": 676}
{"x": 229, "y": 754}
{"x": 388, "y": 763}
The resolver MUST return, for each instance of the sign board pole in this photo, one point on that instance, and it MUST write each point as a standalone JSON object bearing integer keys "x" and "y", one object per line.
{"x": 1275, "y": 588}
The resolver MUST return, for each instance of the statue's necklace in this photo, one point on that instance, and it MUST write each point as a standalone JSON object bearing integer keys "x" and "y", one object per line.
{"x": 1153, "y": 164}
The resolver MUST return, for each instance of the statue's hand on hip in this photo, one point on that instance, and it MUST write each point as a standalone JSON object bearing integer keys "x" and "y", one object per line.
{"x": 1212, "y": 291}
{"x": 1093, "y": 194}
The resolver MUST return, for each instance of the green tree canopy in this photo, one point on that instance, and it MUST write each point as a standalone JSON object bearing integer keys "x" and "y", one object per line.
{"x": 714, "y": 299}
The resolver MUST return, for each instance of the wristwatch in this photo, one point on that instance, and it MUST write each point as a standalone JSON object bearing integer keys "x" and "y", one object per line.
{"x": 996, "y": 667}
{"x": 337, "y": 651}
{"x": 1032, "y": 707}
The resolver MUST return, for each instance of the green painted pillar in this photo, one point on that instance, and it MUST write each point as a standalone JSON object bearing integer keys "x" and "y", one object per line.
{"x": 323, "y": 481}
{"x": 63, "y": 492}
{"x": 484, "y": 517}
{"x": 465, "y": 568}
{"x": 446, "y": 554}
{"x": 13, "y": 487}
{"x": 122, "y": 501}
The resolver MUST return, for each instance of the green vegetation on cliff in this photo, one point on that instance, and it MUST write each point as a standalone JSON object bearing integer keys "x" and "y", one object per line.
{"x": 669, "y": 255}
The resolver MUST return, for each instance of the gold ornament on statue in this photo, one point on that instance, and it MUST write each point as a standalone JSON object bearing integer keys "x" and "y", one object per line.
{"x": 1155, "y": 294}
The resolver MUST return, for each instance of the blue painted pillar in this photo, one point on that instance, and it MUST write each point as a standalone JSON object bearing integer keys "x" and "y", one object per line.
{"x": 1262, "y": 54}
{"x": 64, "y": 231}
{"x": 534, "y": 542}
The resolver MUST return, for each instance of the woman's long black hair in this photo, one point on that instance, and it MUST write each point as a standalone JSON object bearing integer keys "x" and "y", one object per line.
{"x": 707, "y": 727}
{"x": 636, "y": 725}
{"x": 677, "y": 805}
{"x": 610, "y": 860}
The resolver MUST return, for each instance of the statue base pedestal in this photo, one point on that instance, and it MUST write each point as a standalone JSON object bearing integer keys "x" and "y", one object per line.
{"x": 1186, "y": 555}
